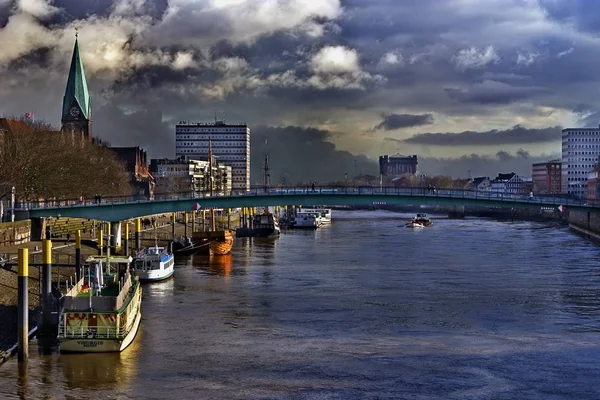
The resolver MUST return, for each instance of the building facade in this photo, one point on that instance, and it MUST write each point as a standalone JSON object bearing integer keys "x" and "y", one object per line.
{"x": 580, "y": 151}
{"x": 391, "y": 166}
{"x": 593, "y": 188}
{"x": 510, "y": 184}
{"x": 136, "y": 165}
{"x": 76, "y": 116}
{"x": 230, "y": 146}
{"x": 547, "y": 177}
{"x": 480, "y": 184}
{"x": 182, "y": 175}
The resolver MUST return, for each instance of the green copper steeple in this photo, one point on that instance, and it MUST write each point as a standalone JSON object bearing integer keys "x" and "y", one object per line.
{"x": 76, "y": 94}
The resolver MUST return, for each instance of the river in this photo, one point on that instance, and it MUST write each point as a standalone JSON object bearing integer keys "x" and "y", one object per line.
{"x": 361, "y": 309}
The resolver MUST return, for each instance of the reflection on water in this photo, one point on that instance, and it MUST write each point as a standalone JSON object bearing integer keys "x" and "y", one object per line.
{"x": 159, "y": 289}
{"x": 53, "y": 376}
{"x": 216, "y": 265}
{"x": 105, "y": 371}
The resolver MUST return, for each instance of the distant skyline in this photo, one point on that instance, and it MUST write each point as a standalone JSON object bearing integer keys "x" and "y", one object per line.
{"x": 467, "y": 85}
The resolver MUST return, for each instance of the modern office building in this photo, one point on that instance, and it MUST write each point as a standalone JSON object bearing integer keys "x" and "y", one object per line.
{"x": 230, "y": 146}
{"x": 580, "y": 151}
{"x": 391, "y": 166}
{"x": 547, "y": 177}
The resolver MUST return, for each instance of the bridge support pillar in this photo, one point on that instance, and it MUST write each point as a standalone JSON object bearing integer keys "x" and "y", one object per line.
{"x": 173, "y": 222}
{"x": 456, "y": 212}
{"x": 38, "y": 229}
{"x": 115, "y": 239}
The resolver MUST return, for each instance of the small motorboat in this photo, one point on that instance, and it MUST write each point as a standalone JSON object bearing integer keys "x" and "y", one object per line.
{"x": 413, "y": 224}
{"x": 153, "y": 264}
{"x": 422, "y": 219}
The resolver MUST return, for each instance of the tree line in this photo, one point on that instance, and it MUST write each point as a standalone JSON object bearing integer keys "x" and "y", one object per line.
{"x": 42, "y": 162}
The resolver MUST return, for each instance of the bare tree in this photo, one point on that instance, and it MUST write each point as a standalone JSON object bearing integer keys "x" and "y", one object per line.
{"x": 42, "y": 162}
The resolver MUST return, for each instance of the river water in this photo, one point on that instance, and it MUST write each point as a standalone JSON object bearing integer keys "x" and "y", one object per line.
{"x": 362, "y": 309}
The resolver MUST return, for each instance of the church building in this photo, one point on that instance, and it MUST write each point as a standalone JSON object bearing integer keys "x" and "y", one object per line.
{"x": 76, "y": 115}
{"x": 76, "y": 119}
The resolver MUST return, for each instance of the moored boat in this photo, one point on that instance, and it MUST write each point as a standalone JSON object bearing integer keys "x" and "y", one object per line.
{"x": 306, "y": 221}
{"x": 422, "y": 219}
{"x": 102, "y": 312}
{"x": 265, "y": 225}
{"x": 221, "y": 245}
{"x": 187, "y": 246}
{"x": 323, "y": 214}
{"x": 153, "y": 264}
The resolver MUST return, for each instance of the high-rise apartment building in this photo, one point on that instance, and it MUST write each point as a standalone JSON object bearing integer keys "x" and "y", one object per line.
{"x": 547, "y": 177}
{"x": 580, "y": 151}
{"x": 230, "y": 146}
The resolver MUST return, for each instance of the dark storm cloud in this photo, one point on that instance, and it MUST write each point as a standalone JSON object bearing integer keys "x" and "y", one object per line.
{"x": 515, "y": 135}
{"x": 456, "y": 60}
{"x": 482, "y": 165}
{"x": 397, "y": 121}
{"x": 583, "y": 13}
{"x": 77, "y": 9}
{"x": 138, "y": 128}
{"x": 303, "y": 155}
{"x": 493, "y": 93}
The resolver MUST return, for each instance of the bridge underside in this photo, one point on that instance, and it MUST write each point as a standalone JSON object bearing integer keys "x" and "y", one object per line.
{"x": 124, "y": 211}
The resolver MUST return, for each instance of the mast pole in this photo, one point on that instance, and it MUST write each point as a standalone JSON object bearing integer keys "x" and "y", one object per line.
{"x": 210, "y": 182}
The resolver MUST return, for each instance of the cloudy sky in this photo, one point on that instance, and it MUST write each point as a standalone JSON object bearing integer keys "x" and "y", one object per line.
{"x": 480, "y": 85}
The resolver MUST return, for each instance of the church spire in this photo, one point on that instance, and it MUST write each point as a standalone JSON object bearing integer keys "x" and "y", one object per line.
{"x": 76, "y": 102}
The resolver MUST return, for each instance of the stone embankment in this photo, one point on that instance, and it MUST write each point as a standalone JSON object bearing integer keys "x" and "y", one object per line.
{"x": 584, "y": 222}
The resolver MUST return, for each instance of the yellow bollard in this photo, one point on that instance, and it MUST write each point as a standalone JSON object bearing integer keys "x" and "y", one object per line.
{"x": 23, "y": 305}
{"x": 100, "y": 241}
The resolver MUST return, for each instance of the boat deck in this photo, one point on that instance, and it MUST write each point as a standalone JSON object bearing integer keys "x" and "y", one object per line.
{"x": 112, "y": 291}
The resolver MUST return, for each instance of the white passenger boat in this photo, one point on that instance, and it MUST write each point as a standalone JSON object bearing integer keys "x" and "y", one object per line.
{"x": 323, "y": 214}
{"x": 153, "y": 264}
{"x": 101, "y": 312}
{"x": 305, "y": 220}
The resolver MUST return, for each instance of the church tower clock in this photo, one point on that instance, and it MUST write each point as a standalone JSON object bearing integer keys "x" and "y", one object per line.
{"x": 77, "y": 106}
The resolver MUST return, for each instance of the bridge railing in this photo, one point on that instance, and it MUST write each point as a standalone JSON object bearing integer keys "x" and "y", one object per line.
{"x": 318, "y": 190}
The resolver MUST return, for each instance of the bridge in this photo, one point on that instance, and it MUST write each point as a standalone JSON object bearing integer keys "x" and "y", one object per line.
{"x": 127, "y": 207}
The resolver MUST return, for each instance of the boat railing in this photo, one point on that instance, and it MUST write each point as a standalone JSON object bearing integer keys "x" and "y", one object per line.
{"x": 95, "y": 332}
{"x": 124, "y": 292}
{"x": 75, "y": 289}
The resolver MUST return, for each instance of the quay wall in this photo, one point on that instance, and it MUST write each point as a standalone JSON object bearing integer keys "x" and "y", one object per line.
{"x": 12, "y": 233}
{"x": 585, "y": 222}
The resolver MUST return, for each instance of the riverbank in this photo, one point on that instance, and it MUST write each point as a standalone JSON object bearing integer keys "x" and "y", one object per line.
{"x": 64, "y": 252}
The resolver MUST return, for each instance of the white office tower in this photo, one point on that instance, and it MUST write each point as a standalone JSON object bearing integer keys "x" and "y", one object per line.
{"x": 580, "y": 151}
{"x": 230, "y": 146}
